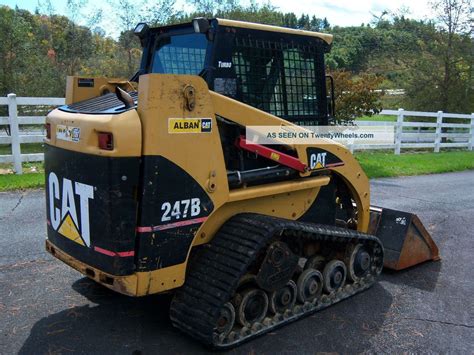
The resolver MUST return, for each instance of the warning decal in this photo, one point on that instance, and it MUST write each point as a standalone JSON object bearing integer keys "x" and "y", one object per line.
{"x": 67, "y": 133}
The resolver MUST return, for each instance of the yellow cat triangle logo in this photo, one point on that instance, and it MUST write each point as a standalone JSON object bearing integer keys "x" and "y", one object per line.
{"x": 69, "y": 230}
{"x": 319, "y": 165}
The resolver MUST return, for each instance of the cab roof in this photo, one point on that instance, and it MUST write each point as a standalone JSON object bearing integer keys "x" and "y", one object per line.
{"x": 326, "y": 37}
{"x": 261, "y": 27}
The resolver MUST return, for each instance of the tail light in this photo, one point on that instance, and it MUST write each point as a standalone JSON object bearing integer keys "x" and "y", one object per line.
{"x": 47, "y": 126}
{"x": 106, "y": 141}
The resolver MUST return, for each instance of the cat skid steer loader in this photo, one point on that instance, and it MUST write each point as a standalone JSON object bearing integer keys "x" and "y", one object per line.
{"x": 152, "y": 185}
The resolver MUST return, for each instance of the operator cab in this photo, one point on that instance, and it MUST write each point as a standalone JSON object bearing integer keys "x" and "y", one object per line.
{"x": 277, "y": 70}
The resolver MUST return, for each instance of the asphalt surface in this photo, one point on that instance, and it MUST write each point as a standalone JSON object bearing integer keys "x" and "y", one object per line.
{"x": 46, "y": 307}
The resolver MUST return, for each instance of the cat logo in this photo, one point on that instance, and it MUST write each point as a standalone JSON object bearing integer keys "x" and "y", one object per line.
{"x": 317, "y": 161}
{"x": 65, "y": 220}
{"x": 206, "y": 125}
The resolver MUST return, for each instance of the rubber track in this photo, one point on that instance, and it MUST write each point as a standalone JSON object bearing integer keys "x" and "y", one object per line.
{"x": 214, "y": 276}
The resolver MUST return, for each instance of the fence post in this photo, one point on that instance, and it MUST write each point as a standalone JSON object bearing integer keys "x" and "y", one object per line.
{"x": 15, "y": 133}
{"x": 399, "y": 131}
{"x": 439, "y": 122}
{"x": 471, "y": 131}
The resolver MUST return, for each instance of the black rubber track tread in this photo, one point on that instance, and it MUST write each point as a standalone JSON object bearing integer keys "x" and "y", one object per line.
{"x": 238, "y": 254}
{"x": 239, "y": 227}
{"x": 214, "y": 284}
{"x": 227, "y": 268}
{"x": 240, "y": 241}
{"x": 214, "y": 276}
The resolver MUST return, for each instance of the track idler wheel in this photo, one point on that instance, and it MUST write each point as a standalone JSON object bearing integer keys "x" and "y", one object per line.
{"x": 284, "y": 298}
{"x": 359, "y": 261}
{"x": 253, "y": 307}
{"x": 226, "y": 319}
{"x": 309, "y": 285}
{"x": 334, "y": 275}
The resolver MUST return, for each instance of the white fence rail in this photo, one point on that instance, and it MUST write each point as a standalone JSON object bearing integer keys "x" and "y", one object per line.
{"x": 439, "y": 133}
{"x": 17, "y": 136}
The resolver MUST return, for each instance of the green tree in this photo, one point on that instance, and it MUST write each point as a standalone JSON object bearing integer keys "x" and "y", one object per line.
{"x": 356, "y": 96}
{"x": 431, "y": 60}
{"x": 14, "y": 36}
{"x": 442, "y": 77}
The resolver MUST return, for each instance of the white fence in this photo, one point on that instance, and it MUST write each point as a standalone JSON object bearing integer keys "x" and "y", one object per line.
{"x": 17, "y": 136}
{"x": 440, "y": 133}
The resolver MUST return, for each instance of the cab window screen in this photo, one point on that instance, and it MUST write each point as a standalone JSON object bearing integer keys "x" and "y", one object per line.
{"x": 180, "y": 54}
{"x": 278, "y": 77}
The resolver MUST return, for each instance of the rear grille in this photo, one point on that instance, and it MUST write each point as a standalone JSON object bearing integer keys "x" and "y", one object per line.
{"x": 108, "y": 103}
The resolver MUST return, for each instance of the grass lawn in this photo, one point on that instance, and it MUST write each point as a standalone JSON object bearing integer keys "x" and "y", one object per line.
{"x": 19, "y": 182}
{"x": 33, "y": 177}
{"x": 379, "y": 164}
{"x": 375, "y": 164}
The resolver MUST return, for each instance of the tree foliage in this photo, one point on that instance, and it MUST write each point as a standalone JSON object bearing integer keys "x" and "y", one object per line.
{"x": 356, "y": 97}
{"x": 432, "y": 60}
{"x": 442, "y": 77}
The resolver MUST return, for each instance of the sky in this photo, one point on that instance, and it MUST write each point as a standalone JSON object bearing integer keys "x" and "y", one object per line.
{"x": 338, "y": 12}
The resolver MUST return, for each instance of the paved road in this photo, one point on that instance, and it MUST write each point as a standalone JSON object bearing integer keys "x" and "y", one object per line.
{"x": 45, "y": 307}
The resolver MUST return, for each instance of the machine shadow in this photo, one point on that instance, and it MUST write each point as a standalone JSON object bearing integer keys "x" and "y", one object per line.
{"x": 112, "y": 323}
{"x": 346, "y": 327}
{"x": 423, "y": 276}
{"x": 120, "y": 324}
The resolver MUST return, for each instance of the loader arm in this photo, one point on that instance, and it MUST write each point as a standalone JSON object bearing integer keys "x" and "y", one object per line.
{"x": 350, "y": 171}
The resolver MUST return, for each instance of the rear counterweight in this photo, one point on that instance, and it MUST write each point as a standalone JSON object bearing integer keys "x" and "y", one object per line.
{"x": 92, "y": 206}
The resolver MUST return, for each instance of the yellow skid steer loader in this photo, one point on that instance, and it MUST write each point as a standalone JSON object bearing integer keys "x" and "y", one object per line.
{"x": 152, "y": 185}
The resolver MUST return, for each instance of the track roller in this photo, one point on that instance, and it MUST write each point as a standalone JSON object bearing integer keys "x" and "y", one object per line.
{"x": 283, "y": 299}
{"x": 226, "y": 319}
{"x": 334, "y": 275}
{"x": 309, "y": 285}
{"x": 358, "y": 262}
{"x": 253, "y": 307}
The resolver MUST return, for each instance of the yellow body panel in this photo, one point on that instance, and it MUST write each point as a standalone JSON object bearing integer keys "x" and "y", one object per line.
{"x": 126, "y": 129}
{"x": 351, "y": 171}
{"x": 138, "y": 284}
{"x": 161, "y": 98}
{"x": 164, "y": 97}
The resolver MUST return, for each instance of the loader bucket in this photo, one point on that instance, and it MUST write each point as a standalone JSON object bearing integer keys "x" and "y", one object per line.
{"x": 405, "y": 240}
